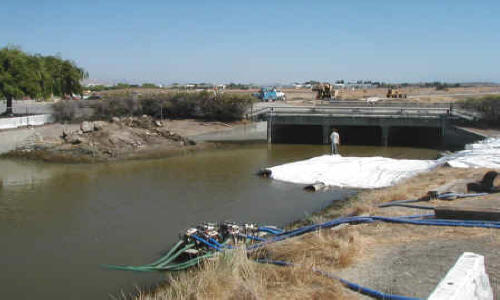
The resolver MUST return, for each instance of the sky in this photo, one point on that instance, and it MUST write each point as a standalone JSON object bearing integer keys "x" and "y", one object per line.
{"x": 262, "y": 41}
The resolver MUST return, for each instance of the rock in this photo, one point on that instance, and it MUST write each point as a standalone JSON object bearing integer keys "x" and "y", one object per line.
{"x": 115, "y": 120}
{"x": 158, "y": 123}
{"x": 75, "y": 139}
{"x": 86, "y": 126}
{"x": 99, "y": 125}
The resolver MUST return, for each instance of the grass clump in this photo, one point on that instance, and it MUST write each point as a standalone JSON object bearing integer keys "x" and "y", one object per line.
{"x": 233, "y": 275}
{"x": 182, "y": 105}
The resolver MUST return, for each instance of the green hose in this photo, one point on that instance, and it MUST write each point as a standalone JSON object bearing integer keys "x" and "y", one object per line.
{"x": 164, "y": 263}
{"x": 187, "y": 264}
{"x": 175, "y": 255}
{"x": 150, "y": 267}
{"x": 166, "y": 256}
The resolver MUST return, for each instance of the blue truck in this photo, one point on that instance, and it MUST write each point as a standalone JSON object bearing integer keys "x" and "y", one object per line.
{"x": 270, "y": 94}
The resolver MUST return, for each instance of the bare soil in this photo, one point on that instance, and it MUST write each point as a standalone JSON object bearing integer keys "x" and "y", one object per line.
{"x": 305, "y": 96}
{"x": 126, "y": 138}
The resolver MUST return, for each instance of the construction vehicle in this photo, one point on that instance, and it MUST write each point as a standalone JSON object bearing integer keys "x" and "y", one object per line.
{"x": 270, "y": 94}
{"x": 395, "y": 93}
{"x": 324, "y": 91}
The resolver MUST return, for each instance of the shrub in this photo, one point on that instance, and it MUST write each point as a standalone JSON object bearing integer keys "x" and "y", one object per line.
{"x": 115, "y": 107}
{"x": 225, "y": 107}
{"x": 65, "y": 111}
{"x": 154, "y": 107}
{"x": 489, "y": 106}
{"x": 184, "y": 105}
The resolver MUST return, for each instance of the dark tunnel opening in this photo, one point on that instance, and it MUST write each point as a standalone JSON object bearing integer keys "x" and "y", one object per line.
{"x": 428, "y": 137}
{"x": 297, "y": 134}
{"x": 359, "y": 135}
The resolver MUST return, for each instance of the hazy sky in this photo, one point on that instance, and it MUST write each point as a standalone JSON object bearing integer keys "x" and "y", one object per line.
{"x": 262, "y": 41}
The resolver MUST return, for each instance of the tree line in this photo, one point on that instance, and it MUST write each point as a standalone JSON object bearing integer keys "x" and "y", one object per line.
{"x": 37, "y": 76}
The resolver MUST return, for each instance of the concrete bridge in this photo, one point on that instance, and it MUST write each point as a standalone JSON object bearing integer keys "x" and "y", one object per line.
{"x": 410, "y": 124}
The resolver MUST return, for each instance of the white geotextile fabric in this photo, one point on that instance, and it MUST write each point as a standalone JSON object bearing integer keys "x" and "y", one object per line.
{"x": 376, "y": 172}
{"x": 361, "y": 172}
{"x": 484, "y": 154}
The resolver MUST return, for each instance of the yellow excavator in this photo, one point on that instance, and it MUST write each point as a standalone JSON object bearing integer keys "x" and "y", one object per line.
{"x": 395, "y": 93}
{"x": 324, "y": 91}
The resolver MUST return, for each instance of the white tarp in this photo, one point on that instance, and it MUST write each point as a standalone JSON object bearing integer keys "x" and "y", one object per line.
{"x": 360, "y": 172}
{"x": 376, "y": 172}
{"x": 484, "y": 154}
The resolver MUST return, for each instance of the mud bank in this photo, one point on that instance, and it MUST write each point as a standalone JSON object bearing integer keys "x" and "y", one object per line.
{"x": 119, "y": 139}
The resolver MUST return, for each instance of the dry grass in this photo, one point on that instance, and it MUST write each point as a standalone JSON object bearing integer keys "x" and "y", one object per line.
{"x": 332, "y": 248}
{"x": 234, "y": 276}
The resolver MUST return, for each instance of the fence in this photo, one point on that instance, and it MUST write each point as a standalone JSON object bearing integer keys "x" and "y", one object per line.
{"x": 34, "y": 120}
{"x": 27, "y": 107}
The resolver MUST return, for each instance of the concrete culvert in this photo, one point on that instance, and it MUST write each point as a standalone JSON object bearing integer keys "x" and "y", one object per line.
{"x": 264, "y": 173}
{"x": 317, "y": 186}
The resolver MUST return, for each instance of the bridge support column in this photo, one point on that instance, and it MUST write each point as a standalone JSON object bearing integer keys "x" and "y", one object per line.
{"x": 385, "y": 136}
{"x": 326, "y": 134}
{"x": 269, "y": 131}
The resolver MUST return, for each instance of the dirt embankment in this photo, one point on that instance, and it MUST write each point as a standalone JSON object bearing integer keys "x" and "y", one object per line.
{"x": 119, "y": 139}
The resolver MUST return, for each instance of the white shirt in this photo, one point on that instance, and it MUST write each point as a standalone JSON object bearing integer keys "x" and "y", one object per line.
{"x": 335, "y": 138}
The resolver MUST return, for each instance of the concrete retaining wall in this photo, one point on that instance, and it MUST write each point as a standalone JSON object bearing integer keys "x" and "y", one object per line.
{"x": 466, "y": 280}
{"x": 9, "y": 123}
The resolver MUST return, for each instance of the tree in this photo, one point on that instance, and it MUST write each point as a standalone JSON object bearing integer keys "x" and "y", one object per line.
{"x": 65, "y": 76}
{"x": 17, "y": 78}
{"x": 149, "y": 85}
{"x": 37, "y": 76}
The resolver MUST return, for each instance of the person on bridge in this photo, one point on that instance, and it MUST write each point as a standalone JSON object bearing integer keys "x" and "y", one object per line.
{"x": 335, "y": 140}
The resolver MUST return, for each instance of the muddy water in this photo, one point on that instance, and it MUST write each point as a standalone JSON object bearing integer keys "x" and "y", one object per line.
{"x": 59, "y": 222}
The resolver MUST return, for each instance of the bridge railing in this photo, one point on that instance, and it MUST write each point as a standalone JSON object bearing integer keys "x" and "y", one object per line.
{"x": 354, "y": 111}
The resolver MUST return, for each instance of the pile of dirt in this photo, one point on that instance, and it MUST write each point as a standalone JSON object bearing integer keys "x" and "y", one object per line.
{"x": 122, "y": 138}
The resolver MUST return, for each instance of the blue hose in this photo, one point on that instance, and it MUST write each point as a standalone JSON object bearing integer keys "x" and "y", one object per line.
{"x": 451, "y": 195}
{"x": 270, "y": 230}
{"x": 410, "y": 206}
{"x": 194, "y": 236}
{"x": 213, "y": 241}
{"x": 414, "y": 220}
{"x": 252, "y": 237}
{"x": 351, "y": 285}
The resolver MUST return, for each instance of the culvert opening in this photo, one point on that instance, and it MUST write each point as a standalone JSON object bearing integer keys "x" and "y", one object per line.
{"x": 297, "y": 134}
{"x": 428, "y": 137}
{"x": 359, "y": 135}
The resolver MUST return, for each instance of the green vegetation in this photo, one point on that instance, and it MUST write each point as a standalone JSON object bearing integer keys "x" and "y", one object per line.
{"x": 488, "y": 106}
{"x": 36, "y": 76}
{"x": 149, "y": 86}
{"x": 202, "y": 105}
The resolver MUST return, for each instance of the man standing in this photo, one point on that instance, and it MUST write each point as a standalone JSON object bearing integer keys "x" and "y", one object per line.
{"x": 335, "y": 140}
